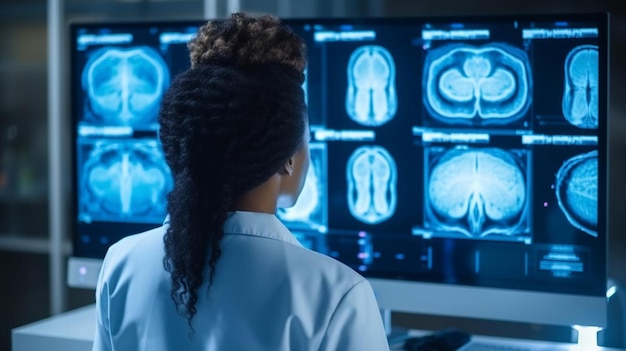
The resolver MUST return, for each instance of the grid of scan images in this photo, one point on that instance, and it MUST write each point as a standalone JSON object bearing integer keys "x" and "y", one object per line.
{"x": 482, "y": 131}
{"x": 454, "y": 129}
{"x": 122, "y": 73}
{"x": 422, "y": 133}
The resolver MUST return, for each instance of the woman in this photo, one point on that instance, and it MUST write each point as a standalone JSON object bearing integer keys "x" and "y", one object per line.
{"x": 223, "y": 273}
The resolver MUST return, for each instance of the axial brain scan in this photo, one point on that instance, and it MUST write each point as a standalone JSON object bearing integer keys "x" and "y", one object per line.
{"x": 477, "y": 192}
{"x": 371, "y": 98}
{"x": 580, "y": 96}
{"x": 124, "y": 86}
{"x": 577, "y": 191}
{"x": 125, "y": 181}
{"x": 489, "y": 84}
{"x": 371, "y": 174}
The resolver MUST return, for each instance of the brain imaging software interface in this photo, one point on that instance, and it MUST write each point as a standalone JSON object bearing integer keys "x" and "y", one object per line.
{"x": 119, "y": 75}
{"x": 457, "y": 152}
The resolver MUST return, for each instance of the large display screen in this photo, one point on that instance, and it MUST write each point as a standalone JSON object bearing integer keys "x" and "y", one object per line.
{"x": 119, "y": 74}
{"x": 465, "y": 151}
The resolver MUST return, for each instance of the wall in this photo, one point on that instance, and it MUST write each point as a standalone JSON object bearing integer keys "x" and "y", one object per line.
{"x": 617, "y": 143}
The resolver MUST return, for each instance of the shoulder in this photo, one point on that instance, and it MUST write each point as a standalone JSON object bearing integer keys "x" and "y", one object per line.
{"x": 134, "y": 249}
{"x": 328, "y": 272}
{"x": 137, "y": 241}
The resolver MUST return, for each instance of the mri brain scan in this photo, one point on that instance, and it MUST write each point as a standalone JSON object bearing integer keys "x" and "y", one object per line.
{"x": 489, "y": 84}
{"x": 309, "y": 212}
{"x": 577, "y": 191}
{"x": 125, "y": 181}
{"x": 371, "y": 174}
{"x": 371, "y": 99}
{"x": 580, "y": 96}
{"x": 476, "y": 192}
{"x": 124, "y": 86}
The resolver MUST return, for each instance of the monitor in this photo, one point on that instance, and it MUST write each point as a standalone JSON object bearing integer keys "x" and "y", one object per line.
{"x": 460, "y": 164}
{"x": 119, "y": 72}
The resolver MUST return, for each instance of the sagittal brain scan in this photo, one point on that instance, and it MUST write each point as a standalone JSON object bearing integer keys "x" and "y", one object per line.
{"x": 580, "y": 96}
{"x": 124, "y": 86}
{"x": 371, "y": 98}
{"x": 371, "y": 174}
{"x": 124, "y": 181}
{"x": 489, "y": 84}
{"x": 577, "y": 191}
{"x": 476, "y": 192}
{"x": 309, "y": 212}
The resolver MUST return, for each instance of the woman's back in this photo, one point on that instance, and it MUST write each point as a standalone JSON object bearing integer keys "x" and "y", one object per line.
{"x": 269, "y": 293}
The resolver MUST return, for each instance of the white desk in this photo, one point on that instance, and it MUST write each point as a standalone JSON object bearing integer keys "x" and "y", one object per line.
{"x": 516, "y": 343}
{"x": 73, "y": 331}
{"x": 69, "y": 331}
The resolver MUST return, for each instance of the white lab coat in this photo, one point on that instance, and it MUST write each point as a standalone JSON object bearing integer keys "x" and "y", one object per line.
{"x": 269, "y": 293}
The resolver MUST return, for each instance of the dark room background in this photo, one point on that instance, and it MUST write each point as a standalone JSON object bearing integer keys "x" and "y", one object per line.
{"x": 24, "y": 177}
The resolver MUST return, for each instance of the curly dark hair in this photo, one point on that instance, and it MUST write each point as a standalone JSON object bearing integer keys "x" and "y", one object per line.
{"x": 227, "y": 125}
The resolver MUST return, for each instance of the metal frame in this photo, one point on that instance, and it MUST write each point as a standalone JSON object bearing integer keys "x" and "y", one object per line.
{"x": 56, "y": 162}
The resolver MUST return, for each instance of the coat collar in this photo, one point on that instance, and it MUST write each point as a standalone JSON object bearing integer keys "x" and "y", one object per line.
{"x": 255, "y": 224}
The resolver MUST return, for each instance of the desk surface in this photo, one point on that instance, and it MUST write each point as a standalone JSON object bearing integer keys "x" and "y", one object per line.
{"x": 517, "y": 344}
{"x": 74, "y": 330}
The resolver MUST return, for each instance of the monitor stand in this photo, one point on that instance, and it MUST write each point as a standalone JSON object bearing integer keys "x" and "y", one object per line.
{"x": 585, "y": 337}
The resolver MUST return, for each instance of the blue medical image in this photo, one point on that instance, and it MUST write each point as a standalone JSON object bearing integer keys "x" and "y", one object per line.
{"x": 476, "y": 192}
{"x": 123, "y": 181}
{"x": 580, "y": 96}
{"x": 124, "y": 86}
{"x": 310, "y": 211}
{"x": 305, "y": 88}
{"x": 372, "y": 176}
{"x": 484, "y": 85}
{"x": 577, "y": 191}
{"x": 371, "y": 98}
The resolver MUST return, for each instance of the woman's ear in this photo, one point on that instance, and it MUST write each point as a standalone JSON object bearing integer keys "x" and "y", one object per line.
{"x": 288, "y": 166}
